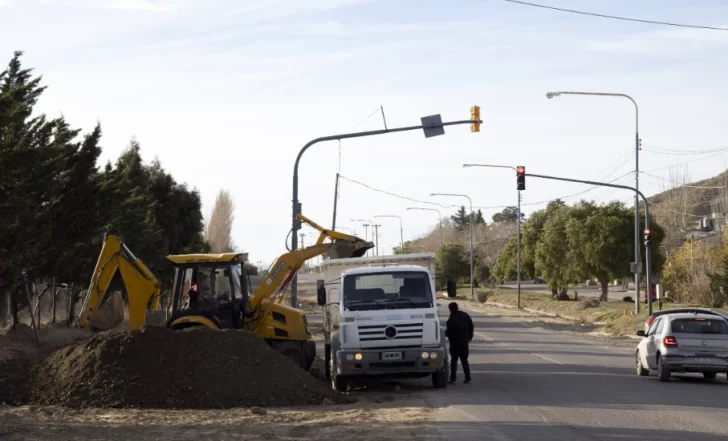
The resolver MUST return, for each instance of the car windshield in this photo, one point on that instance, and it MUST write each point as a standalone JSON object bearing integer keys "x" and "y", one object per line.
{"x": 387, "y": 290}
{"x": 700, "y": 326}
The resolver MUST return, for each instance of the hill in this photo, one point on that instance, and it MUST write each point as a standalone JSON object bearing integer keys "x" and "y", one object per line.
{"x": 680, "y": 208}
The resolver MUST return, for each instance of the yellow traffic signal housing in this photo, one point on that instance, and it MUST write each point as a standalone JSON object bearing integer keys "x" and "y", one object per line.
{"x": 475, "y": 116}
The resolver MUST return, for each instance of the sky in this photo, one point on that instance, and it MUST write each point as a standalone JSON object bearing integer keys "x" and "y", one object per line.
{"x": 226, "y": 92}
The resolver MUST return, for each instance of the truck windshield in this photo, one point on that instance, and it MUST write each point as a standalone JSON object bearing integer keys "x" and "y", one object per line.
{"x": 387, "y": 290}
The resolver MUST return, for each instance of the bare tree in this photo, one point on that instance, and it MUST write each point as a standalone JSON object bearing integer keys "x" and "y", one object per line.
{"x": 220, "y": 223}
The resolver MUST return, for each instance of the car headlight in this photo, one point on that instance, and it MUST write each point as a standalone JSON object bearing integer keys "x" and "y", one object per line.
{"x": 358, "y": 357}
{"x": 425, "y": 355}
{"x": 433, "y": 355}
{"x": 350, "y": 356}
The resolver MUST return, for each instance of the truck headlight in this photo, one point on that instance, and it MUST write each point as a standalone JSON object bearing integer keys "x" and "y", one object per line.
{"x": 433, "y": 355}
{"x": 425, "y": 355}
{"x": 349, "y": 357}
{"x": 358, "y": 356}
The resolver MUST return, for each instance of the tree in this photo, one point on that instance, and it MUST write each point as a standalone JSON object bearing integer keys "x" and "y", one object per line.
{"x": 409, "y": 247}
{"x": 478, "y": 218}
{"x": 552, "y": 252}
{"x": 449, "y": 261}
{"x": 460, "y": 220}
{"x": 506, "y": 263}
{"x": 599, "y": 238}
{"x": 218, "y": 232}
{"x": 509, "y": 214}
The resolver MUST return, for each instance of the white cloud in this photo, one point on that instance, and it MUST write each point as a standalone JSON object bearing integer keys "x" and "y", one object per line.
{"x": 671, "y": 41}
{"x": 135, "y": 5}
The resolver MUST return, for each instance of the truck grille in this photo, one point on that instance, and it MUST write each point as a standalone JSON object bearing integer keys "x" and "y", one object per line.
{"x": 399, "y": 331}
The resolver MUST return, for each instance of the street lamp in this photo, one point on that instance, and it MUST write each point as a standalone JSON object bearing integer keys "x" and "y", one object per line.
{"x": 472, "y": 287}
{"x": 518, "y": 219}
{"x": 431, "y": 209}
{"x": 375, "y": 232}
{"x": 637, "y": 254}
{"x": 401, "y": 232}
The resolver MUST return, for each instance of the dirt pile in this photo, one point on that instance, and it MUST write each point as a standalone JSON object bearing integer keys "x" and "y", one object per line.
{"x": 159, "y": 368}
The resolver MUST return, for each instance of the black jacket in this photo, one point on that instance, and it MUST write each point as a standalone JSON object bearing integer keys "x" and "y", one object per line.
{"x": 459, "y": 328}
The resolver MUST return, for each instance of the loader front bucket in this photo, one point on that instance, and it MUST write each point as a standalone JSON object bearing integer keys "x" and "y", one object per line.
{"x": 345, "y": 250}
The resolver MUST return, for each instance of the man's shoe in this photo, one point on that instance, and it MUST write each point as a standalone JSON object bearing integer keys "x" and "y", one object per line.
{"x": 467, "y": 381}
{"x": 452, "y": 382}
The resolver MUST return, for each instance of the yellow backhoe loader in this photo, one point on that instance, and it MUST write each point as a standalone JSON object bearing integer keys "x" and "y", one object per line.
{"x": 213, "y": 290}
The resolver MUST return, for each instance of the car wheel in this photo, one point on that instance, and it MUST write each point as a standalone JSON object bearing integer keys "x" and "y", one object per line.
{"x": 641, "y": 371}
{"x": 709, "y": 375}
{"x": 663, "y": 374}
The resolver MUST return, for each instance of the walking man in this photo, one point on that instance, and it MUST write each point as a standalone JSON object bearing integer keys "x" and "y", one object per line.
{"x": 459, "y": 332}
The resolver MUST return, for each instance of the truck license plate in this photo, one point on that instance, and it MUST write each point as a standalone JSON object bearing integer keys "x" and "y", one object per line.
{"x": 705, "y": 360}
{"x": 391, "y": 355}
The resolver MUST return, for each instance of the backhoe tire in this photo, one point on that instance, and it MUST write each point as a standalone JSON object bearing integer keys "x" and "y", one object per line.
{"x": 291, "y": 350}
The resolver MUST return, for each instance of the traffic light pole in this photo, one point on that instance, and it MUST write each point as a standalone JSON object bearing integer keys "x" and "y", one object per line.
{"x": 296, "y": 223}
{"x": 648, "y": 244}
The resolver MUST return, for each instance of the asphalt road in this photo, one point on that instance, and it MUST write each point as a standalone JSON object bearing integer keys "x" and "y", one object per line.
{"x": 530, "y": 383}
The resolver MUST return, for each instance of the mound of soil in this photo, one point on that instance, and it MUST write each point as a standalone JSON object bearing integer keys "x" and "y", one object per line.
{"x": 158, "y": 368}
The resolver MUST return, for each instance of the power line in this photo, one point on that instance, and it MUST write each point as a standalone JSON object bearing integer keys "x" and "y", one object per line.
{"x": 684, "y": 185}
{"x": 593, "y": 14}
{"x": 685, "y": 152}
{"x": 684, "y": 163}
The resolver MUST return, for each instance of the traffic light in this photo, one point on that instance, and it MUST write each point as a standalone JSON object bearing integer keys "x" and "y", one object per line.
{"x": 521, "y": 177}
{"x": 648, "y": 236}
{"x": 475, "y": 116}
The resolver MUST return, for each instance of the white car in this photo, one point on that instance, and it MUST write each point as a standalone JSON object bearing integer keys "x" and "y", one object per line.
{"x": 684, "y": 342}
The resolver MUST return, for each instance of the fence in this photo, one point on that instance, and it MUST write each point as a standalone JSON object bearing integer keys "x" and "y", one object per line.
{"x": 46, "y": 303}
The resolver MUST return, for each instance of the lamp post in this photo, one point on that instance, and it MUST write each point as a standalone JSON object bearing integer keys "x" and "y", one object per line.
{"x": 472, "y": 287}
{"x": 375, "y": 232}
{"x": 518, "y": 219}
{"x": 401, "y": 230}
{"x": 431, "y": 209}
{"x": 637, "y": 255}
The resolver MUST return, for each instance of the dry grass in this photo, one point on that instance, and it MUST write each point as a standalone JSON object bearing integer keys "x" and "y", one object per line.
{"x": 614, "y": 317}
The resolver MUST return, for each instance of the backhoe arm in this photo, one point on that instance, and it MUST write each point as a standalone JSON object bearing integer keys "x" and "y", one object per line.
{"x": 142, "y": 288}
{"x": 287, "y": 265}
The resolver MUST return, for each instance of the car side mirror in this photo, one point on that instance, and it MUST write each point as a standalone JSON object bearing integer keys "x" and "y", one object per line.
{"x": 641, "y": 333}
{"x": 320, "y": 293}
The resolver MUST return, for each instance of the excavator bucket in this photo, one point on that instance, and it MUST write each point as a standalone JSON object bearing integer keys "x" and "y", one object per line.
{"x": 344, "y": 249}
{"x": 110, "y": 313}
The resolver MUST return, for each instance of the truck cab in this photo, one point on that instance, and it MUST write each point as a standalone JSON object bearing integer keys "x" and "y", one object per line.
{"x": 381, "y": 320}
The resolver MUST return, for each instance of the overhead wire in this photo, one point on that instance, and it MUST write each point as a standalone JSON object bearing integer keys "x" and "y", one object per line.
{"x": 685, "y": 185}
{"x": 615, "y": 17}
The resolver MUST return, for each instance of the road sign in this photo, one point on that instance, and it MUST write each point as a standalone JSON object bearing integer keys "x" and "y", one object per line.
{"x": 432, "y": 125}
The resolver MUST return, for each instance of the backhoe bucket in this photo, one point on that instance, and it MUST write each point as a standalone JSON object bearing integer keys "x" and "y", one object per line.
{"x": 345, "y": 250}
{"x": 110, "y": 314}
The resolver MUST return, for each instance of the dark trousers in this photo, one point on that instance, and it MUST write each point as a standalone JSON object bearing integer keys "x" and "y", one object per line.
{"x": 459, "y": 351}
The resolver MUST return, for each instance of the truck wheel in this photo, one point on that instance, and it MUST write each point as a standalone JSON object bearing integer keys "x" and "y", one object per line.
{"x": 327, "y": 361}
{"x": 439, "y": 379}
{"x": 337, "y": 383}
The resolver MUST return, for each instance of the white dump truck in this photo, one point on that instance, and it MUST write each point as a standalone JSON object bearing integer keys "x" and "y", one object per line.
{"x": 381, "y": 320}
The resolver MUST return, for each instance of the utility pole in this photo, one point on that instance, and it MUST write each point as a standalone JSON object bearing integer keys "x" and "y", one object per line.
{"x": 376, "y": 237}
